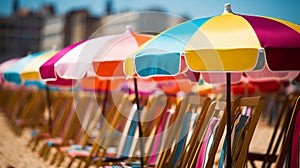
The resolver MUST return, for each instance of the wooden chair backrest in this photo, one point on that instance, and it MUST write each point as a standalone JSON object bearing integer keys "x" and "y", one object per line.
{"x": 219, "y": 110}
{"x": 256, "y": 104}
{"x": 191, "y": 103}
{"x": 35, "y": 109}
{"x": 283, "y": 112}
{"x": 108, "y": 122}
{"x": 74, "y": 128}
{"x": 288, "y": 135}
{"x": 63, "y": 115}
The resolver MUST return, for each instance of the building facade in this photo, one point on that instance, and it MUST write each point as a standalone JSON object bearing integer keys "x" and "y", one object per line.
{"x": 152, "y": 22}
{"x": 21, "y": 34}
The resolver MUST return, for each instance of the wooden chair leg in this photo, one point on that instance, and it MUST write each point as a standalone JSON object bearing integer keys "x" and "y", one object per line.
{"x": 87, "y": 163}
{"x": 71, "y": 162}
{"x": 36, "y": 143}
{"x": 18, "y": 131}
{"x": 56, "y": 155}
{"x": 47, "y": 153}
{"x": 79, "y": 165}
{"x": 288, "y": 140}
{"x": 60, "y": 159}
{"x": 42, "y": 151}
{"x": 252, "y": 164}
{"x": 31, "y": 141}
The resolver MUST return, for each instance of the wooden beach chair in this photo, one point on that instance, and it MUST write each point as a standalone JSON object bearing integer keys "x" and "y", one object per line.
{"x": 154, "y": 116}
{"x": 16, "y": 106}
{"x": 282, "y": 135}
{"x": 6, "y": 94}
{"x": 60, "y": 125}
{"x": 191, "y": 105}
{"x": 108, "y": 120}
{"x": 127, "y": 143}
{"x": 88, "y": 124}
{"x": 214, "y": 125}
{"x": 73, "y": 127}
{"x": 287, "y": 144}
{"x": 31, "y": 112}
{"x": 12, "y": 98}
{"x": 59, "y": 100}
{"x": 159, "y": 131}
{"x": 247, "y": 111}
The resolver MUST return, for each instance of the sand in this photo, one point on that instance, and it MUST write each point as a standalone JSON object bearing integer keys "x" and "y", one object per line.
{"x": 14, "y": 151}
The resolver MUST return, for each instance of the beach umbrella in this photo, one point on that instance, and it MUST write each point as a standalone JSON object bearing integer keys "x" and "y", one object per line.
{"x": 26, "y": 71}
{"x": 228, "y": 42}
{"x": 269, "y": 81}
{"x": 4, "y": 66}
{"x": 96, "y": 84}
{"x": 47, "y": 70}
{"x": 265, "y": 74}
{"x": 104, "y": 55}
{"x": 13, "y": 74}
{"x": 263, "y": 80}
{"x": 146, "y": 86}
{"x": 243, "y": 82}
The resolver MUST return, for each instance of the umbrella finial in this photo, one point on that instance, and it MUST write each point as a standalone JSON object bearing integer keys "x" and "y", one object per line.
{"x": 129, "y": 28}
{"x": 227, "y": 8}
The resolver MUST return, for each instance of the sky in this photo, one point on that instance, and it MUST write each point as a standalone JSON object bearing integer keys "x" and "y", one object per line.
{"x": 282, "y": 9}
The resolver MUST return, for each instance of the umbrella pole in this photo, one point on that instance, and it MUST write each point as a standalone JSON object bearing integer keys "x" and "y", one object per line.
{"x": 49, "y": 109}
{"x": 228, "y": 118}
{"x": 139, "y": 122}
{"x": 105, "y": 96}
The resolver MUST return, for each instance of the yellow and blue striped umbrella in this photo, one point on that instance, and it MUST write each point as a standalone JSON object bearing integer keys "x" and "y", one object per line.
{"x": 229, "y": 42}
{"x": 26, "y": 71}
{"x": 225, "y": 43}
{"x": 21, "y": 72}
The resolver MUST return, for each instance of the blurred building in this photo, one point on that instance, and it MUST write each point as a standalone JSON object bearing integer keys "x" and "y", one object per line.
{"x": 26, "y": 32}
{"x": 79, "y": 25}
{"x": 151, "y": 22}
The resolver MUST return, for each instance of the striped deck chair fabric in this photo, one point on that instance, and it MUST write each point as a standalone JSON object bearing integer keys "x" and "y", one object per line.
{"x": 207, "y": 142}
{"x": 240, "y": 122}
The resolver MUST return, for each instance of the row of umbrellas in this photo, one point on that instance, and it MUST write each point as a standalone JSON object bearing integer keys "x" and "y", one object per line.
{"x": 224, "y": 44}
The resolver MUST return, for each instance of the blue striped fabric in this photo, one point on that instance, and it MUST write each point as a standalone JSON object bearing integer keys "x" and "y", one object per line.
{"x": 240, "y": 125}
{"x": 13, "y": 73}
{"x": 131, "y": 132}
{"x": 183, "y": 133}
{"x": 161, "y": 56}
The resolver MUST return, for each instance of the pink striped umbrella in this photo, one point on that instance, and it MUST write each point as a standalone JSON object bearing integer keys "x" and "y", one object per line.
{"x": 104, "y": 55}
{"x": 47, "y": 70}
